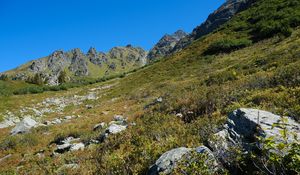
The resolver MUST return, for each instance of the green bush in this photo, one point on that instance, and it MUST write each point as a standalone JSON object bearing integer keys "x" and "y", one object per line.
{"x": 29, "y": 90}
{"x": 227, "y": 46}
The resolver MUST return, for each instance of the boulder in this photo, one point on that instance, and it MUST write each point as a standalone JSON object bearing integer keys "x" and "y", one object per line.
{"x": 24, "y": 126}
{"x": 99, "y": 126}
{"x": 114, "y": 129}
{"x": 243, "y": 126}
{"x": 167, "y": 162}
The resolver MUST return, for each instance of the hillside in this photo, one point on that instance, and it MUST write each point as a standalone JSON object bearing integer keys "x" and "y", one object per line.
{"x": 180, "y": 101}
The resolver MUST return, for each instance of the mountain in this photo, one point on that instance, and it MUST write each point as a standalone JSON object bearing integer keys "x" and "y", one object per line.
{"x": 214, "y": 20}
{"x": 77, "y": 64}
{"x": 165, "y": 45}
{"x": 228, "y": 103}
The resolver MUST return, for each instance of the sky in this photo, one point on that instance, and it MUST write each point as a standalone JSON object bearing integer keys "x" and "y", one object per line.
{"x": 31, "y": 29}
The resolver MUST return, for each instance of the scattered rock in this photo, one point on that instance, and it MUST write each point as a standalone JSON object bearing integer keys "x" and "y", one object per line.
{"x": 24, "y": 126}
{"x": 99, "y": 126}
{"x": 69, "y": 144}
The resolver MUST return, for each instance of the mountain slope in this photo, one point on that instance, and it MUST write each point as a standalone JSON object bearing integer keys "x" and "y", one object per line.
{"x": 201, "y": 87}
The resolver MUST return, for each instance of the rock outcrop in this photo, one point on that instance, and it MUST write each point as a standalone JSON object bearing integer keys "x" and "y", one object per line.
{"x": 242, "y": 128}
{"x": 24, "y": 126}
{"x": 165, "y": 45}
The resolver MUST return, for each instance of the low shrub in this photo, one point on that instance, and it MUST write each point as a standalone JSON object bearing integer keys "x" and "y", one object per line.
{"x": 227, "y": 46}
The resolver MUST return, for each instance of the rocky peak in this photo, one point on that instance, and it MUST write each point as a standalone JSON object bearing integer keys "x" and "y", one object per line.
{"x": 165, "y": 45}
{"x": 179, "y": 34}
{"x": 92, "y": 52}
{"x": 214, "y": 21}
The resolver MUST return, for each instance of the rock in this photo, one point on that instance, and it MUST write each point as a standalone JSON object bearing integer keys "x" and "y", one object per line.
{"x": 89, "y": 106}
{"x": 77, "y": 146}
{"x": 47, "y": 123}
{"x": 56, "y": 121}
{"x": 119, "y": 118}
{"x": 114, "y": 129}
{"x": 168, "y": 161}
{"x": 99, "y": 126}
{"x": 24, "y": 126}
{"x": 63, "y": 148}
{"x": 242, "y": 128}
{"x": 6, "y": 123}
{"x": 69, "y": 144}
{"x": 179, "y": 115}
{"x": 68, "y": 117}
{"x": 91, "y": 96}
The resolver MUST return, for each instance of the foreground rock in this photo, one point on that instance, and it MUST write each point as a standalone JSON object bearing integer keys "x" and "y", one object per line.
{"x": 24, "y": 126}
{"x": 169, "y": 160}
{"x": 69, "y": 144}
{"x": 242, "y": 128}
{"x": 116, "y": 126}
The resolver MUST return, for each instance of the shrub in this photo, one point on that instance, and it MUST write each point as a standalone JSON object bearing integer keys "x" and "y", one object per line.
{"x": 4, "y": 77}
{"x": 29, "y": 90}
{"x": 227, "y": 46}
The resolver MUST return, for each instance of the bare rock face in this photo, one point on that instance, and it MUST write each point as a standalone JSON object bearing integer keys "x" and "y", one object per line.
{"x": 165, "y": 45}
{"x": 97, "y": 58}
{"x": 79, "y": 64}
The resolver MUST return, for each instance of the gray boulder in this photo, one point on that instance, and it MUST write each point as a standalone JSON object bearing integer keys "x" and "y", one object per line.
{"x": 167, "y": 162}
{"x": 114, "y": 128}
{"x": 24, "y": 126}
{"x": 242, "y": 128}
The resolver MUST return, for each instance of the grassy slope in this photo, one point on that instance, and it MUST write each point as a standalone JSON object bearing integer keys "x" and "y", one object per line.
{"x": 264, "y": 75}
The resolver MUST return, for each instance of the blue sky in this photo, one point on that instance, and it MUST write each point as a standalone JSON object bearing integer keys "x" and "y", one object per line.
{"x": 32, "y": 29}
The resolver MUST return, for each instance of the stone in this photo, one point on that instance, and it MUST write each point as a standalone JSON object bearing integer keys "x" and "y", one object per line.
{"x": 243, "y": 126}
{"x": 77, "y": 146}
{"x": 119, "y": 118}
{"x": 24, "y": 126}
{"x": 99, "y": 126}
{"x": 114, "y": 129}
{"x": 167, "y": 162}
{"x": 63, "y": 148}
